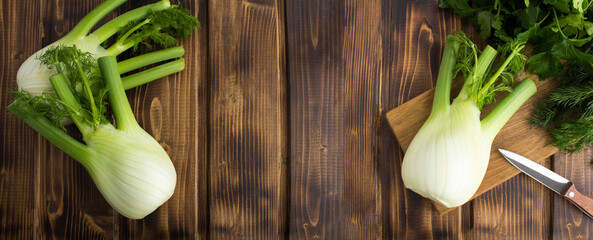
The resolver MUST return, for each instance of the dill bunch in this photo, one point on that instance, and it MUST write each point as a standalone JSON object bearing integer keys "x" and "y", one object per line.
{"x": 568, "y": 112}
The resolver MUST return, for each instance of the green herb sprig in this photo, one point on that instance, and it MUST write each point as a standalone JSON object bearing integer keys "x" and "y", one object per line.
{"x": 568, "y": 112}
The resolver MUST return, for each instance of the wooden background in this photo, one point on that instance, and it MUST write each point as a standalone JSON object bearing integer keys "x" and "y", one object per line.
{"x": 276, "y": 128}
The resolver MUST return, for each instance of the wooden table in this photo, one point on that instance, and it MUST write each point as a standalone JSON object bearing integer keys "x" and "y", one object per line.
{"x": 276, "y": 128}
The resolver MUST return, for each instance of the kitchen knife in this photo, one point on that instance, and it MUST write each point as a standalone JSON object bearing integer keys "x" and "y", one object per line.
{"x": 551, "y": 180}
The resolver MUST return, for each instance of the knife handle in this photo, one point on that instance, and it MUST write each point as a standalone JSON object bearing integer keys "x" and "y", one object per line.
{"x": 582, "y": 201}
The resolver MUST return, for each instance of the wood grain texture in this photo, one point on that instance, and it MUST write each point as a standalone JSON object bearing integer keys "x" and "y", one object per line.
{"x": 516, "y": 209}
{"x": 316, "y": 83}
{"x": 362, "y": 63}
{"x": 518, "y": 135}
{"x": 569, "y": 222}
{"x": 18, "y": 217}
{"x": 248, "y": 120}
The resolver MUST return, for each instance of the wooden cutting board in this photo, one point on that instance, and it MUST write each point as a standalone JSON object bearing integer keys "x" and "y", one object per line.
{"x": 517, "y": 135}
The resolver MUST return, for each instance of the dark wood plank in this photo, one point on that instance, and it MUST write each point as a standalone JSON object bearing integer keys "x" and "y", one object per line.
{"x": 20, "y": 36}
{"x": 248, "y": 119}
{"x": 315, "y": 37}
{"x": 174, "y": 110}
{"x": 449, "y": 226}
{"x": 390, "y": 185}
{"x": 69, "y": 204}
{"x": 569, "y": 222}
{"x": 336, "y": 116}
{"x": 362, "y": 62}
{"x": 520, "y": 208}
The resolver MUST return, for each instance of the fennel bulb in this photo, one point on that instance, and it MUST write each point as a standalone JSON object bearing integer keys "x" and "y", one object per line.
{"x": 137, "y": 176}
{"x": 158, "y": 23}
{"x": 129, "y": 167}
{"x": 447, "y": 159}
{"x": 33, "y": 76}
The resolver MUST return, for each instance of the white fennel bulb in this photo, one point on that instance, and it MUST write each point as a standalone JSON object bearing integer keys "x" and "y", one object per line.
{"x": 448, "y": 157}
{"x": 137, "y": 176}
{"x": 33, "y": 76}
{"x": 452, "y": 152}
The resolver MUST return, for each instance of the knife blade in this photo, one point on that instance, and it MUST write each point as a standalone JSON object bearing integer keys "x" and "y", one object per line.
{"x": 551, "y": 180}
{"x": 538, "y": 172}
